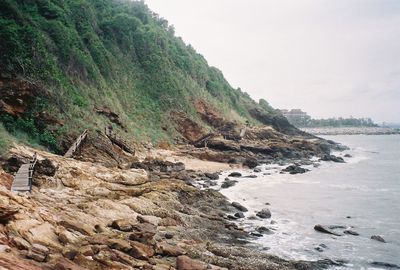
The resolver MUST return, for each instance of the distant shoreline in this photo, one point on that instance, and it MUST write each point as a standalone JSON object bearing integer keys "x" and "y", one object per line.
{"x": 352, "y": 131}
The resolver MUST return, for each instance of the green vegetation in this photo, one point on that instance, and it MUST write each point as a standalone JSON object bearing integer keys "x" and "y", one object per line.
{"x": 333, "y": 122}
{"x": 107, "y": 53}
{"x": 5, "y": 140}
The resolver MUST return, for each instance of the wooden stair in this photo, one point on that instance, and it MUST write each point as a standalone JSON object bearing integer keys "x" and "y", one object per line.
{"x": 23, "y": 179}
{"x": 75, "y": 146}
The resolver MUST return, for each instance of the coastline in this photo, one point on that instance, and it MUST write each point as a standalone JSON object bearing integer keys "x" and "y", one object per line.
{"x": 149, "y": 213}
{"x": 352, "y": 131}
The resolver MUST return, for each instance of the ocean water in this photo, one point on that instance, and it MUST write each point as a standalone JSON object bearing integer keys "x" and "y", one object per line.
{"x": 362, "y": 194}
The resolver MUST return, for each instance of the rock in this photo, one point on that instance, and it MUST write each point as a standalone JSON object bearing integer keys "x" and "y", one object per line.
{"x": 69, "y": 253}
{"x": 385, "y": 264}
{"x": 45, "y": 167}
{"x": 239, "y": 215}
{"x": 264, "y": 230}
{"x": 186, "y": 263}
{"x": 256, "y": 234}
{"x": 319, "y": 249}
{"x": 323, "y": 229}
{"x": 333, "y": 227}
{"x": 169, "y": 235}
{"x": 5, "y": 248}
{"x": 38, "y": 253}
{"x": 239, "y": 207}
{"x": 250, "y": 162}
{"x": 235, "y": 174}
{"x": 86, "y": 250}
{"x": 348, "y": 155}
{"x": 212, "y": 176}
{"x": 232, "y": 217}
{"x": 295, "y": 169}
{"x": 332, "y": 158}
{"x": 124, "y": 225}
{"x": 169, "y": 250}
{"x": 20, "y": 243}
{"x": 264, "y": 213}
{"x": 141, "y": 251}
{"x": 67, "y": 237}
{"x": 77, "y": 226}
{"x": 143, "y": 232}
{"x": 228, "y": 183}
{"x": 7, "y": 213}
{"x": 351, "y": 232}
{"x": 119, "y": 244}
{"x": 251, "y": 176}
{"x": 378, "y": 238}
{"x": 257, "y": 170}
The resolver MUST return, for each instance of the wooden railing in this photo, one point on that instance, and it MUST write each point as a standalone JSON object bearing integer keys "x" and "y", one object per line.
{"x": 32, "y": 170}
{"x": 75, "y": 146}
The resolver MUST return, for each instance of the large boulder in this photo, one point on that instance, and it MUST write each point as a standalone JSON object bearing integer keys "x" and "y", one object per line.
{"x": 239, "y": 207}
{"x": 264, "y": 213}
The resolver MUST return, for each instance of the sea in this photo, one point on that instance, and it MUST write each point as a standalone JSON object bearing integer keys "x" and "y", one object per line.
{"x": 362, "y": 195}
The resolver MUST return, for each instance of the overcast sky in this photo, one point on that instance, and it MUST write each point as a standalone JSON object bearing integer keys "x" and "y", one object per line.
{"x": 327, "y": 57}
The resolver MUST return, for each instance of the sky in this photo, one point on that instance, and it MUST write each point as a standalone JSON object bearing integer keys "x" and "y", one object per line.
{"x": 330, "y": 58}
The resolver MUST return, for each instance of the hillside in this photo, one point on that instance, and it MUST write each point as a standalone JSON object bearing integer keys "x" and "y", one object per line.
{"x": 70, "y": 65}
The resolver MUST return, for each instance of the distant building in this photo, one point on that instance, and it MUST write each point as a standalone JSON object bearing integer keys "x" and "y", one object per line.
{"x": 296, "y": 116}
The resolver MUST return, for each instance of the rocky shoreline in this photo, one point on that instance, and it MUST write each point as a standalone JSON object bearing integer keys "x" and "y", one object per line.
{"x": 110, "y": 210}
{"x": 352, "y": 131}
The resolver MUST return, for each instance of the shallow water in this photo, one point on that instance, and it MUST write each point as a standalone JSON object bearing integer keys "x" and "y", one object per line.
{"x": 366, "y": 188}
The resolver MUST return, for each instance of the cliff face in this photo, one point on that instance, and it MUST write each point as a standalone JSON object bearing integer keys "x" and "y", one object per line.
{"x": 62, "y": 63}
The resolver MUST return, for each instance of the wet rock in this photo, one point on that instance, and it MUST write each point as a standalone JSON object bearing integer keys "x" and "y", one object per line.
{"x": 295, "y": 169}
{"x": 378, "y": 238}
{"x": 212, "y": 176}
{"x": 348, "y": 155}
{"x": 264, "y": 230}
{"x": 228, "y": 183}
{"x": 186, "y": 263}
{"x": 324, "y": 229}
{"x": 250, "y": 162}
{"x": 256, "y": 234}
{"x": 239, "y": 207}
{"x": 332, "y": 158}
{"x": 239, "y": 215}
{"x": 251, "y": 176}
{"x": 351, "y": 232}
{"x": 124, "y": 225}
{"x": 257, "y": 170}
{"x": 232, "y": 217}
{"x": 235, "y": 174}
{"x": 333, "y": 227}
{"x": 385, "y": 264}
{"x": 264, "y": 213}
{"x": 319, "y": 249}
